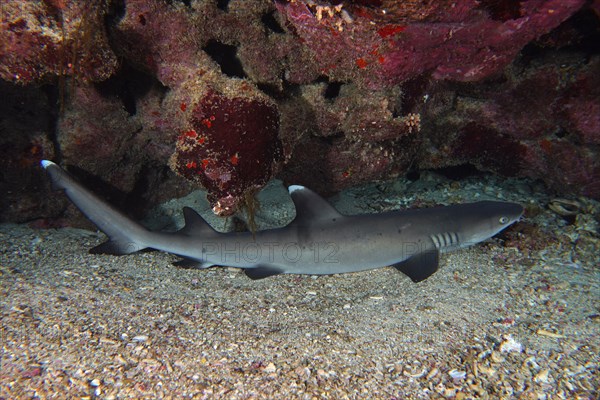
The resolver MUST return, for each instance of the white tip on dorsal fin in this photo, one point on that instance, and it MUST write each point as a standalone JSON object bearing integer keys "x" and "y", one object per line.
{"x": 310, "y": 205}
{"x": 195, "y": 225}
{"x": 294, "y": 188}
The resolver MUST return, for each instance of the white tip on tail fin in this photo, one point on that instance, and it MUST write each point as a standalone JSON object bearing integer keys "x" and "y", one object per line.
{"x": 126, "y": 236}
{"x": 46, "y": 163}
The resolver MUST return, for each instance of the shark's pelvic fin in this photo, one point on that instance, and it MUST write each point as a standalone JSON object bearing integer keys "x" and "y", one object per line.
{"x": 420, "y": 266}
{"x": 116, "y": 247}
{"x": 261, "y": 272}
{"x": 311, "y": 206}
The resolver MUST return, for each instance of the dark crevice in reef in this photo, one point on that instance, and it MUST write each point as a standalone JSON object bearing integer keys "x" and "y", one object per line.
{"x": 105, "y": 190}
{"x": 578, "y": 34}
{"x": 333, "y": 139}
{"x": 52, "y": 94}
{"x": 223, "y": 5}
{"x": 582, "y": 31}
{"x": 286, "y": 91}
{"x": 226, "y": 56}
{"x": 502, "y": 10}
{"x": 271, "y": 90}
{"x": 134, "y": 203}
{"x": 413, "y": 175}
{"x": 561, "y": 133}
{"x": 455, "y": 172}
{"x": 332, "y": 90}
{"x": 412, "y": 95}
{"x": 458, "y": 172}
{"x": 128, "y": 85}
{"x": 292, "y": 89}
{"x": 116, "y": 12}
{"x": 361, "y": 3}
{"x": 271, "y": 23}
{"x": 137, "y": 201}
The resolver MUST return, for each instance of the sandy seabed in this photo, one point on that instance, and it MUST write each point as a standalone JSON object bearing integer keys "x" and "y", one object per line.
{"x": 515, "y": 317}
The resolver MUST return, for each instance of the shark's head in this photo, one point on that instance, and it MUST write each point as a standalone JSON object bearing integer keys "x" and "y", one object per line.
{"x": 483, "y": 220}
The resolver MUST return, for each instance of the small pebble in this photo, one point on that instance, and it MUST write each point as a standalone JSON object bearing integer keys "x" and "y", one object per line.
{"x": 432, "y": 373}
{"x": 456, "y": 374}
{"x": 496, "y": 357}
{"x": 542, "y": 376}
{"x": 510, "y": 345}
{"x": 270, "y": 368}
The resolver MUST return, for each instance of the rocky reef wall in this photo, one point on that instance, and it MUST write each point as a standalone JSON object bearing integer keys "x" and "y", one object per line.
{"x": 149, "y": 99}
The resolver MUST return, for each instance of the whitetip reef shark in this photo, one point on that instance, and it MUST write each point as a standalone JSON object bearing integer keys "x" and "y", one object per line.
{"x": 319, "y": 241}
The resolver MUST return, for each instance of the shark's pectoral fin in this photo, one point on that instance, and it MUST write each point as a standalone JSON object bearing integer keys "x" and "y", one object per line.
{"x": 420, "y": 266}
{"x": 189, "y": 263}
{"x": 261, "y": 272}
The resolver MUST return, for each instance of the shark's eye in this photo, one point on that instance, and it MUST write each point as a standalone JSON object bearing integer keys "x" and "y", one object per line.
{"x": 503, "y": 220}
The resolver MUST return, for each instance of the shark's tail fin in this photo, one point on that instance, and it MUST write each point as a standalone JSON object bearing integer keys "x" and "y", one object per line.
{"x": 126, "y": 236}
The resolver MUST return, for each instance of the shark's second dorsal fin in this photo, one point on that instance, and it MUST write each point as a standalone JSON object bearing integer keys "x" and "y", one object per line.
{"x": 310, "y": 205}
{"x": 195, "y": 225}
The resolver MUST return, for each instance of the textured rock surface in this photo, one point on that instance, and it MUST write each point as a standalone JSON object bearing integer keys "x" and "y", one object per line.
{"x": 40, "y": 40}
{"x": 396, "y": 41}
{"x": 325, "y": 95}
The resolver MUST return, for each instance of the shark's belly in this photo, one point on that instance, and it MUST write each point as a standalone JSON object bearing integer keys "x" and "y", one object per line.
{"x": 340, "y": 249}
{"x": 321, "y": 257}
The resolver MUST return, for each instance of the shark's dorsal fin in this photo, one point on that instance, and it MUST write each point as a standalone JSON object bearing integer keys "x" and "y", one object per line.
{"x": 420, "y": 266}
{"x": 311, "y": 206}
{"x": 195, "y": 225}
